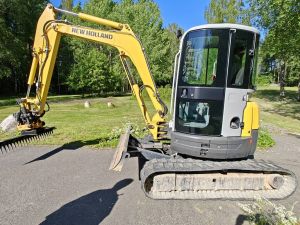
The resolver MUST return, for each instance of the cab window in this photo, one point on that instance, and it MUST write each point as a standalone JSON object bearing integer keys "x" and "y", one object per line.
{"x": 202, "y": 63}
{"x": 243, "y": 54}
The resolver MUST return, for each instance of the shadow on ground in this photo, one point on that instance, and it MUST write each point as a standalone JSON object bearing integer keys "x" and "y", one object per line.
{"x": 274, "y": 95}
{"x": 90, "y": 209}
{"x": 255, "y": 219}
{"x": 69, "y": 146}
{"x": 241, "y": 219}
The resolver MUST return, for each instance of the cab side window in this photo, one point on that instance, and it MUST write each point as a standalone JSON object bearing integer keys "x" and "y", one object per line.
{"x": 238, "y": 64}
{"x": 241, "y": 60}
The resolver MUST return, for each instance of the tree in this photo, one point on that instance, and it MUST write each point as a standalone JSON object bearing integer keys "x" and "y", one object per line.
{"x": 17, "y": 26}
{"x": 90, "y": 67}
{"x": 65, "y": 58}
{"x": 78, "y": 65}
{"x": 227, "y": 11}
{"x": 144, "y": 18}
{"x": 91, "y": 70}
{"x": 174, "y": 41}
{"x": 280, "y": 19}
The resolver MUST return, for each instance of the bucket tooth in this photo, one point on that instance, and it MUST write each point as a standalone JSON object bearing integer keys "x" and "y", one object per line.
{"x": 20, "y": 143}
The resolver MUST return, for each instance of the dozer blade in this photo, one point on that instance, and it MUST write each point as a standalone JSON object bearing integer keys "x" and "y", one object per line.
{"x": 25, "y": 138}
{"x": 121, "y": 152}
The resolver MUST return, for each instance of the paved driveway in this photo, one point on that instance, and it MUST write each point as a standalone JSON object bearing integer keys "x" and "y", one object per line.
{"x": 53, "y": 185}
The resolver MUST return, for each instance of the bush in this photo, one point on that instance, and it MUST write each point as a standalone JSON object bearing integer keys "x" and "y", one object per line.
{"x": 112, "y": 138}
{"x": 165, "y": 93}
{"x": 264, "y": 139}
{"x": 264, "y": 79}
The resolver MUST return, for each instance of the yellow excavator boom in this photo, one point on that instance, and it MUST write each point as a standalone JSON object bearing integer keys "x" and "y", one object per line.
{"x": 45, "y": 48}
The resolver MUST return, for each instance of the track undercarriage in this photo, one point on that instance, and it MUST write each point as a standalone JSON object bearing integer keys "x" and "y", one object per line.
{"x": 173, "y": 176}
{"x": 199, "y": 179}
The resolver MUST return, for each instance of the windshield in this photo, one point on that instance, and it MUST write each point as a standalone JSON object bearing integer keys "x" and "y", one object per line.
{"x": 204, "y": 57}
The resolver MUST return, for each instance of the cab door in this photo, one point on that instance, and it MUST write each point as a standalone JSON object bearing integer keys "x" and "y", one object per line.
{"x": 239, "y": 80}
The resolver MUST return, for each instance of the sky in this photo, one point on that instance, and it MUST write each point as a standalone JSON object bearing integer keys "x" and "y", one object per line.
{"x": 185, "y": 13}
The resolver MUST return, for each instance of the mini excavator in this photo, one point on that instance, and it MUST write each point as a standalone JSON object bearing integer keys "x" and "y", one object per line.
{"x": 206, "y": 150}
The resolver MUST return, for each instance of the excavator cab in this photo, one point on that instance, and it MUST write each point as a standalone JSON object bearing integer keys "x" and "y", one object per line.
{"x": 214, "y": 76}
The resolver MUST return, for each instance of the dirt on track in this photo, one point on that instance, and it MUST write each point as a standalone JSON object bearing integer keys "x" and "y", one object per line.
{"x": 54, "y": 185}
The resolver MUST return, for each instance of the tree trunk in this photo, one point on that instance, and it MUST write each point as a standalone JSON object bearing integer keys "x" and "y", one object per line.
{"x": 299, "y": 91}
{"x": 282, "y": 72}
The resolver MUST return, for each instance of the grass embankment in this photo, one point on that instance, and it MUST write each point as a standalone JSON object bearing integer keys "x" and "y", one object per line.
{"x": 99, "y": 126}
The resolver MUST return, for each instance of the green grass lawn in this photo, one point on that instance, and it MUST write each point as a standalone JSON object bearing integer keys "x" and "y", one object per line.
{"x": 76, "y": 124}
{"x": 99, "y": 125}
{"x": 283, "y": 113}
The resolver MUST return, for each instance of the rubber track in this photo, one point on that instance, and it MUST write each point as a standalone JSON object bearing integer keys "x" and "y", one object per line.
{"x": 161, "y": 166}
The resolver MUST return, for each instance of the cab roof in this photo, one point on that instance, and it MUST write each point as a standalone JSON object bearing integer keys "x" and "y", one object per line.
{"x": 224, "y": 26}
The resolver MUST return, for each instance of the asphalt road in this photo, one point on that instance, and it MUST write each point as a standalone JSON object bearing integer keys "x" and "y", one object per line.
{"x": 65, "y": 186}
